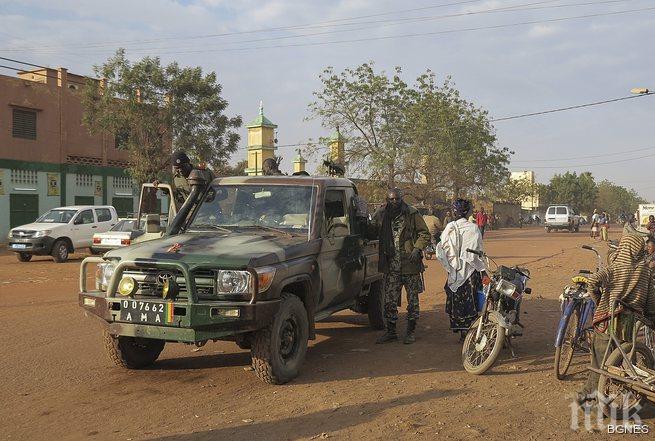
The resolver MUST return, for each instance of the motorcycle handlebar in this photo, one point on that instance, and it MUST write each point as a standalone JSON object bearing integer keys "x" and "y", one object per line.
{"x": 477, "y": 253}
{"x": 587, "y": 247}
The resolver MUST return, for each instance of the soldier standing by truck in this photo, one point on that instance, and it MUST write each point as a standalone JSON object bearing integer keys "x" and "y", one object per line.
{"x": 403, "y": 235}
{"x": 181, "y": 170}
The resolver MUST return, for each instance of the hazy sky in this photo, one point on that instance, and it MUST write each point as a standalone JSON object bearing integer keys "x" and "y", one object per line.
{"x": 538, "y": 63}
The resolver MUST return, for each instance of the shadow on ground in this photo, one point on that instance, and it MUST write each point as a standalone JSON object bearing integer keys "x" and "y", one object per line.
{"x": 312, "y": 424}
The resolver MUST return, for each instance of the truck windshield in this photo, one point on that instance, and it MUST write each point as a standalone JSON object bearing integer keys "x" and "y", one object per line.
{"x": 272, "y": 207}
{"x": 57, "y": 216}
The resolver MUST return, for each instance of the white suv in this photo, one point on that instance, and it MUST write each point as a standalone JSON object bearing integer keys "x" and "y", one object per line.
{"x": 61, "y": 231}
{"x": 561, "y": 217}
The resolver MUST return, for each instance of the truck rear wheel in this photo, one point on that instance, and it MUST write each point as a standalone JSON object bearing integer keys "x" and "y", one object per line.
{"x": 279, "y": 349}
{"x": 376, "y": 306}
{"x": 132, "y": 352}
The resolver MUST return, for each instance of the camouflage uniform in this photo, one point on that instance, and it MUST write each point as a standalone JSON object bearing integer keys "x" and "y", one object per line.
{"x": 181, "y": 188}
{"x": 394, "y": 281}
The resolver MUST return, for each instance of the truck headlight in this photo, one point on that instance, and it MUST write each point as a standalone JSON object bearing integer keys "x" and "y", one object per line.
{"x": 104, "y": 271}
{"x": 43, "y": 233}
{"x": 10, "y": 234}
{"x": 232, "y": 282}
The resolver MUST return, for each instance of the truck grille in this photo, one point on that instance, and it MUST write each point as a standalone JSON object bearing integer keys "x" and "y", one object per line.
{"x": 150, "y": 281}
{"x": 22, "y": 234}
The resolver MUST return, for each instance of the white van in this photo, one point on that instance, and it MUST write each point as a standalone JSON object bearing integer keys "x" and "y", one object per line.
{"x": 61, "y": 231}
{"x": 561, "y": 217}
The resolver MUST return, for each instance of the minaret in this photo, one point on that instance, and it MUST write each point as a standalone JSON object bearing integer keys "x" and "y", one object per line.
{"x": 299, "y": 162}
{"x": 261, "y": 142}
{"x": 337, "y": 148}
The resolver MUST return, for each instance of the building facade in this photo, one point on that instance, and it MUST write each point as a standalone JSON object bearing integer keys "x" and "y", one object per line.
{"x": 530, "y": 202}
{"x": 47, "y": 157}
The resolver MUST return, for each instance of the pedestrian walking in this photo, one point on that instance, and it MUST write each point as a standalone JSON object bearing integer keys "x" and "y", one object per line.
{"x": 604, "y": 225}
{"x": 403, "y": 235}
{"x": 434, "y": 225}
{"x": 594, "y": 224}
{"x": 464, "y": 269}
{"x": 481, "y": 219}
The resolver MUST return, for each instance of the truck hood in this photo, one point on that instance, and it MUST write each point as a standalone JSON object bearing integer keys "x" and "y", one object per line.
{"x": 40, "y": 226}
{"x": 225, "y": 250}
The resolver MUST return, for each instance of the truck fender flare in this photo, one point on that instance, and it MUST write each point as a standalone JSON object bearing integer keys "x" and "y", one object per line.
{"x": 308, "y": 299}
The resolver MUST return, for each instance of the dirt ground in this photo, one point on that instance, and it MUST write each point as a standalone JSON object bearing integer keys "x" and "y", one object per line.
{"x": 57, "y": 382}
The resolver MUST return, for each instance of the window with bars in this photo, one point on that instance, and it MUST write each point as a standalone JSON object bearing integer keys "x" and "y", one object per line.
{"x": 24, "y": 124}
{"x": 29, "y": 177}
{"x": 83, "y": 180}
{"x": 122, "y": 182}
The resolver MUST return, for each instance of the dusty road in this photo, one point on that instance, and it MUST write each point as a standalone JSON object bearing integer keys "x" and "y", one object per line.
{"x": 58, "y": 384}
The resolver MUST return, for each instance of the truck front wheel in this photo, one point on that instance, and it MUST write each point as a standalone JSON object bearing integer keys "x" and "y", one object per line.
{"x": 24, "y": 257}
{"x": 376, "y": 306}
{"x": 132, "y": 352}
{"x": 279, "y": 349}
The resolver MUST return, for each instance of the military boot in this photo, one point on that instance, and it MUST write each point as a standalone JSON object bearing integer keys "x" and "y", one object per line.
{"x": 409, "y": 337}
{"x": 388, "y": 336}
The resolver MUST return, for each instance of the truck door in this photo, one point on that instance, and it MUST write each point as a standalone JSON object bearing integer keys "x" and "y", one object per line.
{"x": 342, "y": 272}
{"x": 83, "y": 228}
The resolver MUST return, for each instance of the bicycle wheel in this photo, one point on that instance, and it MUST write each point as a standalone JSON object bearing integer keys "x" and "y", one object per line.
{"x": 564, "y": 352}
{"x": 617, "y": 397}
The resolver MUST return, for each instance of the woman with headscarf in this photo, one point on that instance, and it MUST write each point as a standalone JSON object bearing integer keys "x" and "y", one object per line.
{"x": 627, "y": 278}
{"x": 462, "y": 266}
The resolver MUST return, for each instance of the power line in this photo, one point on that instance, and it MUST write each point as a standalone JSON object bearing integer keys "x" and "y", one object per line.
{"x": 392, "y": 22}
{"x": 274, "y": 29}
{"x": 598, "y": 163}
{"x": 584, "y": 157}
{"x": 418, "y": 34}
{"x": 396, "y": 22}
{"x": 579, "y": 106}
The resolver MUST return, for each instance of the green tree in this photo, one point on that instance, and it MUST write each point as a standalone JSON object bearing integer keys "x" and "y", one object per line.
{"x": 578, "y": 191}
{"x": 238, "y": 169}
{"x": 616, "y": 199}
{"x": 149, "y": 106}
{"x": 515, "y": 191}
{"x": 369, "y": 107}
{"x": 452, "y": 142}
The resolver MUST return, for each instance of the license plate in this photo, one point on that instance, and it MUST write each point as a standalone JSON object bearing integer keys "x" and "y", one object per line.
{"x": 111, "y": 241}
{"x": 19, "y": 246}
{"x": 138, "y": 311}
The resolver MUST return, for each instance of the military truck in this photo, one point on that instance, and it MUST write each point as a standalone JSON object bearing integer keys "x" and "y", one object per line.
{"x": 257, "y": 260}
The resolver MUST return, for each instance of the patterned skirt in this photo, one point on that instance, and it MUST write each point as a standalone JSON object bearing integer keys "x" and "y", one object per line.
{"x": 460, "y": 304}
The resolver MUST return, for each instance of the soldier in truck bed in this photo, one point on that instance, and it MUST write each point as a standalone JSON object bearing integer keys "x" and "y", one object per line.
{"x": 403, "y": 235}
{"x": 181, "y": 169}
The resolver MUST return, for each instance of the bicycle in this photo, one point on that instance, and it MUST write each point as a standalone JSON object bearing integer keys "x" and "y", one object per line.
{"x": 574, "y": 330}
{"x": 627, "y": 372}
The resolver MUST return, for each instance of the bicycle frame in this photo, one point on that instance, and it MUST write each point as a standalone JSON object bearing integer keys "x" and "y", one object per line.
{"x": 632, "y": 375}
{"x": 586, "y": 312}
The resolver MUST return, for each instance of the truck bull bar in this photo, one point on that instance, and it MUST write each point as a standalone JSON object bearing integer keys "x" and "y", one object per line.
{"x": 164, "y": 265}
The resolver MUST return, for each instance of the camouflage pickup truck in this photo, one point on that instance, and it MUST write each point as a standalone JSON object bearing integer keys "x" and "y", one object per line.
{"x": 257, "y": 260}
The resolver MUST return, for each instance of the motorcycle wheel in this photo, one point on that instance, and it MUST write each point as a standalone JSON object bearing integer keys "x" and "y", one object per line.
{"x": 479, "y": 357}
{"x": 564, "y": 352}
{"x": 617, "y": 397}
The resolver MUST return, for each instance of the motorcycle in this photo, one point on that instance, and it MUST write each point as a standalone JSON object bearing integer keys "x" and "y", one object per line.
{"x": 499, "y": 316}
